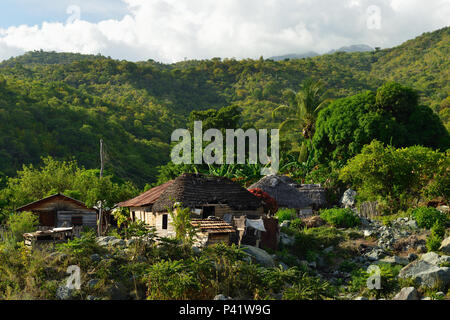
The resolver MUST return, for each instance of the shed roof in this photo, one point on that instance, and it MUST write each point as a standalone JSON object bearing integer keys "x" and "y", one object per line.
{"x": 213, "y": 226}
{"x": 194, "y": 190}
{"x": 147, "y": 198}
{"x": 279, "y": 188}
{"x": 35, "y": 205}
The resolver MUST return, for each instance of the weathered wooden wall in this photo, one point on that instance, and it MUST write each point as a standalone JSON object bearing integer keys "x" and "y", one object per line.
{"x": 368, "y": 209}
{"x": 89, "y": 219}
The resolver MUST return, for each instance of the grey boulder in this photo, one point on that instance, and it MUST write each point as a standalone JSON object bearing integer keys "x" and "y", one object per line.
{"x": 408, "y": 293}
{"x": 259, "y": 255}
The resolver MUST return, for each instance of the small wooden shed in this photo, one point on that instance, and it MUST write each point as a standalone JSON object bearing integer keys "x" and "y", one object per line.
{"x": 60, "y": 210}
{"x": 212, "y": 231}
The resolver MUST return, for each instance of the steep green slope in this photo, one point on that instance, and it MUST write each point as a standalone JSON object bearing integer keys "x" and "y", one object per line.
{"x": 61, "y": 104}
{"x": 40, "y": 119}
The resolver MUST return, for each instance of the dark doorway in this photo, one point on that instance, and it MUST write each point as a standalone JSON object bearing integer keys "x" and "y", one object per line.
{"x": 164, "y": 221}
{"x": 208, "y": 211}
{"x": 47, "y": 219}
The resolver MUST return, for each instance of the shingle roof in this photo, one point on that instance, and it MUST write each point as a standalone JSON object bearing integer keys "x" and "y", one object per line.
{"x": 213, "y": 226}
{"x": 194, "y": 190}
{"x": 147, "y": 198}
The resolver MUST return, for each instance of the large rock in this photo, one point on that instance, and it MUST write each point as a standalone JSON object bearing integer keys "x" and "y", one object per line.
{"x": 409, "y": 293}
{"x": 348, "y": 198}
{"x": 110, "y": 241}
{"x": 426, "y": 274}
{"x": 375, "y": 254}
{"x": 259, "y": 255}
{"x": 445, "y": 246}
{"x": 395, "y": 260}
{"x": 286, "y": 240}
{"x": 64, "y": 293}
{"x": 434, "y": 258}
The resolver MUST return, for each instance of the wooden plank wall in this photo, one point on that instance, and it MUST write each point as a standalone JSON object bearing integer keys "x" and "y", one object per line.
{"x": 368, "y": 209}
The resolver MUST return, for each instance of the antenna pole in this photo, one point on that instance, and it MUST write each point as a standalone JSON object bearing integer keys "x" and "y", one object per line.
{"x": 100, "y": 214}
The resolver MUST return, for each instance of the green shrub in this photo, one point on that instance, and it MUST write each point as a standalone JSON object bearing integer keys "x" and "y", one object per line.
{"x": 138, "y": 229}
{"x": 309, "y": 288}
{"x": 171, "y": 280}
{"x": 342, "y": 218}
{"x": 81, "y": 247}
{"x": 286, "y": 214}
{"x": 396, "y": 178}
{"x": 433, "y": 242}
{"x": 297, "y": 224}
{"x": 347, "y": 266}
{"x": 22, "y": 222}
{"x": 390, "y": 283}
{"x": 426, "y": 217}
{"x": 314, "y": 239}
{"x": 436, "y": 237}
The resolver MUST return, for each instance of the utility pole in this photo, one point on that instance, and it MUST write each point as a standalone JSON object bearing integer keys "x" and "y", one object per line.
{"x": 100, "y": 214}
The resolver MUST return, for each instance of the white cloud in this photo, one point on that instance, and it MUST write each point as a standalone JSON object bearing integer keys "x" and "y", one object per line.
{"x": 169, "y": 30}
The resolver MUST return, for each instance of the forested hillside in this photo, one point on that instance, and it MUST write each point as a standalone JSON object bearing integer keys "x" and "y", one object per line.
{"x": 61, "y": 104}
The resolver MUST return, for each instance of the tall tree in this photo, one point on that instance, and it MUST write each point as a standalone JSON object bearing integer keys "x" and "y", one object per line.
{"x": 301, "y": 112}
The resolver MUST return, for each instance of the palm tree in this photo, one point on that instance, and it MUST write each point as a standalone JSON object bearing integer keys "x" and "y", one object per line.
{"x": 301, "y": 112}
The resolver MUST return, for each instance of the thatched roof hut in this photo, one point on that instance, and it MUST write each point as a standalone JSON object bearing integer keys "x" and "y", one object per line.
{"x": 315, "y": 193}
{"x": 286, "y": 195}
{"x": 195, "y": 190}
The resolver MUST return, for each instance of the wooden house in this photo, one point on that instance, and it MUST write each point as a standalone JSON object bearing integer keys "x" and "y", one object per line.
{"x": 62, "y": 211}
{"x": 205, "y": 195}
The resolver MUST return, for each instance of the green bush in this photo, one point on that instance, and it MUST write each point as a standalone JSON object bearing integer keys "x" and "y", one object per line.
{"x": 138, "y": 229}
{"x": 81, "y": 247}
{"x": 436, "y": 237}
{"x": 22, "y": 222}
{"x": 314, "y": 240}
{"x": 171, "y": 280}
{"x": 297, "y": 224}
{"x": 342, "y": 218}
{"x": 433, "y": 242}
{"x": 397, "y": 178}
{"x": 390, "y": 283}
{"x": 426, "y": 217}
{"x": 309, "y": 288}
{"x": 286, "y": 214}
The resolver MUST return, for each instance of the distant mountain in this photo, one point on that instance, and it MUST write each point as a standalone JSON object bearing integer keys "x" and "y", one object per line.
{"x": 353, "y": 48}
{"x": 308, "y": 54}
{"x": 311, "y": 54}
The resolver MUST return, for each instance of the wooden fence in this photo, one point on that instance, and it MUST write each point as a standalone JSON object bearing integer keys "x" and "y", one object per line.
{"x": 368, "y": 209}
{"x": 4, "y": 234}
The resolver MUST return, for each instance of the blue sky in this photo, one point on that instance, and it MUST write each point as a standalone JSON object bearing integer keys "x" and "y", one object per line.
{"x": 32, "y": 12}
{"x": 172, "y": 30}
